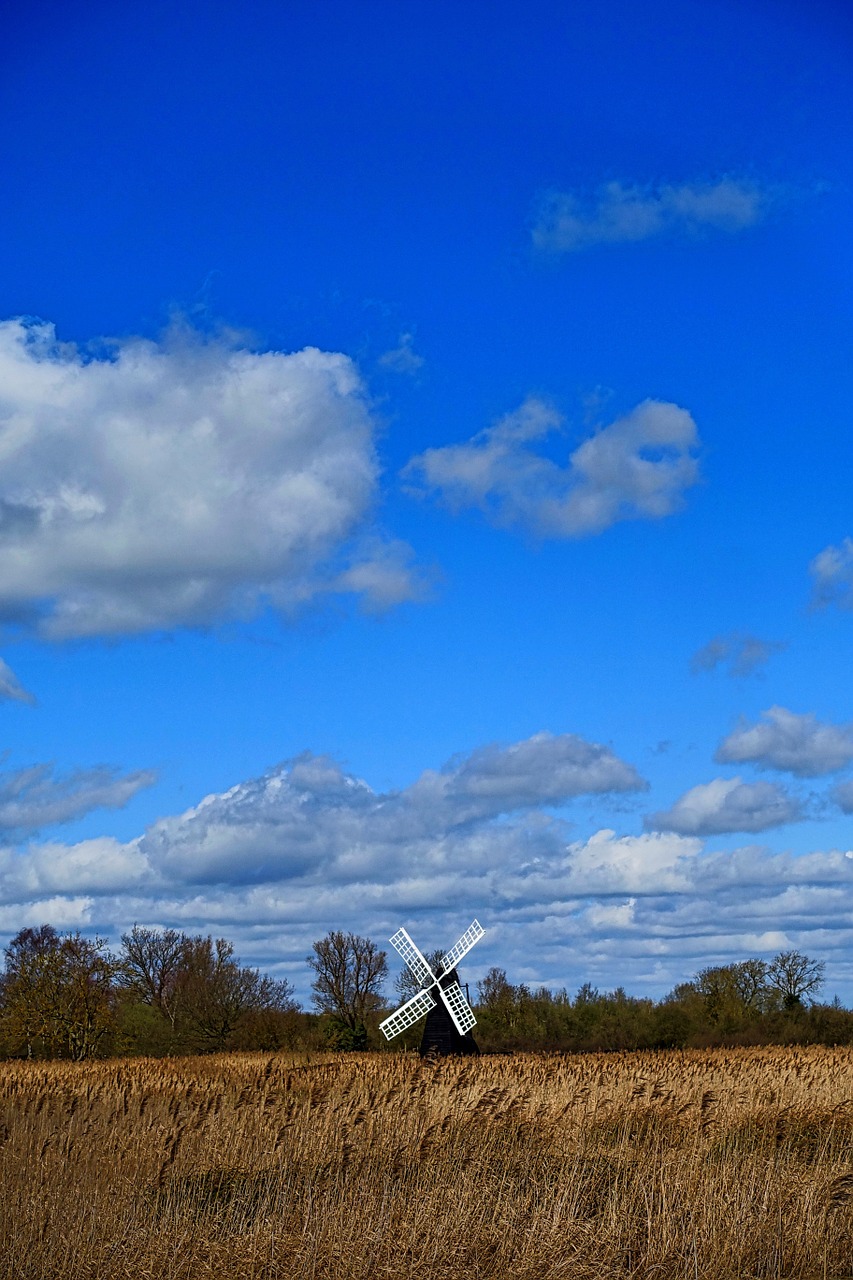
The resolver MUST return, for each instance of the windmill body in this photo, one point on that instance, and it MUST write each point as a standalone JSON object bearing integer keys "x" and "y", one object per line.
{"x": 449, "y": 1015}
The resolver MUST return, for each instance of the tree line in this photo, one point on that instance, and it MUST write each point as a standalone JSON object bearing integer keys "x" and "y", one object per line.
{"x": 165, "y": 992}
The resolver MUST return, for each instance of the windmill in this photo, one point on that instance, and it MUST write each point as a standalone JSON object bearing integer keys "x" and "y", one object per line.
{"x": 450, "y": 1018}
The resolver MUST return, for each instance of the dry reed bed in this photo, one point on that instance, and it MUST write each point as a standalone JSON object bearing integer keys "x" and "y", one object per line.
{"x": 716, "y": 1164}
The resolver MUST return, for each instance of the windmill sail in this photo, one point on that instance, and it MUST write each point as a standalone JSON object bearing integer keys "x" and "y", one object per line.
{"x": 463, "y": 946}
{"x": 407, "y": 1015}
{"x": 413, "y": 958}
{"x": 458, "y": 1008}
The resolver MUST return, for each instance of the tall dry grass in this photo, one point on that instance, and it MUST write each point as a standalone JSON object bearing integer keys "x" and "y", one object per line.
{"x": 698, "y": 1164}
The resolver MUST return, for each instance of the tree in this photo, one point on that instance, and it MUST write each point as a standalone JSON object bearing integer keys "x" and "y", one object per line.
{"x": 24, "y": 1018}
{"x": 504, "y": 1008}
{"x": 349, "y": 972}
{"x": 198, "y": 990}
{"x": 58, "y": 993}
{"x": 794, "y": 976}
{"x": 151, "y": 963}
{"x": 215, "y": 993}
{"x": 733, "y": 994}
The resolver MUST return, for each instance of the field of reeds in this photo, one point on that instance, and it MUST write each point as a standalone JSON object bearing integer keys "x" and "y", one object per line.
{"x": 719, "y": 1163}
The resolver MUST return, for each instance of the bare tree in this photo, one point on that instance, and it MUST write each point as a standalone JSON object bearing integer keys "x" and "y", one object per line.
{"x": 152, "y": 960}
{"x": 197, "y": 986}
{"x": 349, "y": 972}
{"x": 215, "y": 993}
{"x": 407, "y": 985}
{"x": 795, "y": 977}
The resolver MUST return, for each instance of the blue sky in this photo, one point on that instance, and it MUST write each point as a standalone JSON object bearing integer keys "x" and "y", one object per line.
{"x": 425, "y": 486}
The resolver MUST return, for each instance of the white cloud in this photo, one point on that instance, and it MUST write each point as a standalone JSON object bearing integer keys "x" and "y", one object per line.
{"x": 654, "y": 862}
{"x": 546, "y": 769}
{"x": 62, "y": 912}
{"x": 173, "y": 483}
{"x": 727, "y": 805}
{"x": 637, "y": 467}
{"x": 741, "y": 653}
{"x": 307, "y": 819}
{"x": 98, "y": 866}
{"x": 11, "y": 687}
{"x": 616, "y": 213}
{"x": 798, "y": 744}
{"x": 832, "y": 571}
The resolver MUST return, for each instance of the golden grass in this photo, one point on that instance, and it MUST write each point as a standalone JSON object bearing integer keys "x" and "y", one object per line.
{"x": 712, "y": 1164}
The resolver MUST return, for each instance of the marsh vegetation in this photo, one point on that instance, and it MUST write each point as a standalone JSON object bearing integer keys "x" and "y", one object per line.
{"x": 705, "y": 1163}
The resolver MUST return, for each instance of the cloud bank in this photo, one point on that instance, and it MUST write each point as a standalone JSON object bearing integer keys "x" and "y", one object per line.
{"x": 277, "y": 860}
{"x": 637, "y": 467}
{"x": 171, "y": 483}
{"x": 616, "y": 214}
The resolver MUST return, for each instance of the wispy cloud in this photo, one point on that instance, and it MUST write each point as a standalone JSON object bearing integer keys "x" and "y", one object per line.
{"x": 11, "y": 687}
{"x": 842, "y": 794}
{"x": 617, "y": 213}
{"x": 35, "y": 797}
{"x": 403, "y": 358}
{"x": 740, "y": 653}
{"x": 832, "y": 571}
{"x": 637, "y": 467}
{"x": 173, "y": 483}
{"x": 798, "y": 744}
{"x": 726, "y": 806}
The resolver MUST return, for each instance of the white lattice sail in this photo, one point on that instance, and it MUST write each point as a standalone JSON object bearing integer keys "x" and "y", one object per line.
{"x": 407, "y": 1015}
{"x": 463, "y": 946}
{"x": 458, "y": 1008}
{"x": 413, "y": 958}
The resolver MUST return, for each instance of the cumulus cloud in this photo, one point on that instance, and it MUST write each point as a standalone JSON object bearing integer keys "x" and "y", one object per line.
{"x": 637, "y": 467}
{"x": 546, "y": 769}
{"x": 308, "y": 815}
{"x": 798, "y": 744}
{"x": 35, "y": 797}
{"x": 171, "y": 483}
{"x": 740, "y": 653}
{"x": 11, "y": 687}
{"x": 832, "y": 571}
{"x": 727, "y": 805}
{"x": 618, "y": 213}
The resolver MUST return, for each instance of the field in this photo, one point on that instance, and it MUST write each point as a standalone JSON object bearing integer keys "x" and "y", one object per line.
{"x": 719, "y": 1163}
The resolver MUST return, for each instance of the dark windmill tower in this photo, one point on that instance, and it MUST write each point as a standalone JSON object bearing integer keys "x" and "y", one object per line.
{"x": 450, "y": 1018}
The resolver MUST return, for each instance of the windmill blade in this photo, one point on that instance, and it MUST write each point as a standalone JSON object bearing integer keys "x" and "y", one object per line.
{"x": 407, "y": 1015}
{"x": 413, "y": 958}
{"x": 463, "y": 946}
{"x": 458, "y": 1007}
